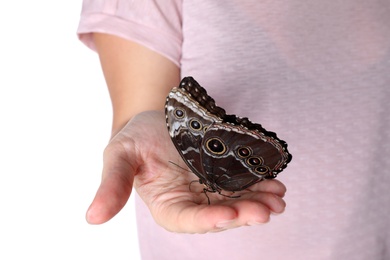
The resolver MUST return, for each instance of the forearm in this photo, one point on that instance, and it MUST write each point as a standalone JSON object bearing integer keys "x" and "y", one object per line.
{"x": 138, "y": 78}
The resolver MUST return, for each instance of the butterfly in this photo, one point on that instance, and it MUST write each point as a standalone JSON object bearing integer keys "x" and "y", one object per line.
{"x": 226, "y": 152}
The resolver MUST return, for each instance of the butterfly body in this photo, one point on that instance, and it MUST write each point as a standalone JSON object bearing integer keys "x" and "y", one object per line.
{"x": 226, "y": 152}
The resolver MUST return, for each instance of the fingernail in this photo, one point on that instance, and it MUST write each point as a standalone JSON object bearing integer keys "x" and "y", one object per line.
{"x": 224, "y": 224}
{"x": 90, "y": 216}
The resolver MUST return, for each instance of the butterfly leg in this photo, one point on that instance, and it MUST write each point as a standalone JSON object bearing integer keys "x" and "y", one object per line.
{"x": 205, "y": 193}
{"x": 189, "y": 185}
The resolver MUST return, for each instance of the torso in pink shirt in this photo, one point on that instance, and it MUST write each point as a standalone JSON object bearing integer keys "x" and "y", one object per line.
{"x": 315, "y": 72}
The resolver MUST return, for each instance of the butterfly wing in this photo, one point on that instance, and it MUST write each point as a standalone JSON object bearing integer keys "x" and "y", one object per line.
{"x": 235, "y": 157}
{"x": 225, "y": 151}
{"x": 187, "y": 119}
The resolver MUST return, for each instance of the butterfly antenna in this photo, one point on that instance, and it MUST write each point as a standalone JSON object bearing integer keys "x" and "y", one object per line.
{"x": 184, "y": 169}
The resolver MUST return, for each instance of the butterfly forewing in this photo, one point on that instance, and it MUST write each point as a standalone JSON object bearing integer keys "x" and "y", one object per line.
{"x": 186, "y": 125}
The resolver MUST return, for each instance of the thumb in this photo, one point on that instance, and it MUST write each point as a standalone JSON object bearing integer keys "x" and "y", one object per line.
{"x": 115, "y": 187}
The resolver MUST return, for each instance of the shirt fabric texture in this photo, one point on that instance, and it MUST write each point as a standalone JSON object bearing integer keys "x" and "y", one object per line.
{"x": 315, "y": 72}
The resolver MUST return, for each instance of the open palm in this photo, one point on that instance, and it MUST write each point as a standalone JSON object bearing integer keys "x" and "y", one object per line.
{"x": 140, "y": 155}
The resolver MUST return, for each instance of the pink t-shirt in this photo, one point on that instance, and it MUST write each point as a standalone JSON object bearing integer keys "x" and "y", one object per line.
{"x": 315, "y": 72}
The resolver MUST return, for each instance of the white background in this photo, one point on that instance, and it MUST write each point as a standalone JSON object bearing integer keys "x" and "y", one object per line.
{"x": 55, "y": 117}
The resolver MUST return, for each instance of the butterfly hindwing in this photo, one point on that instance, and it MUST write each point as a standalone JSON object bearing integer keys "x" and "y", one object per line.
{"x": 238, "y": 158}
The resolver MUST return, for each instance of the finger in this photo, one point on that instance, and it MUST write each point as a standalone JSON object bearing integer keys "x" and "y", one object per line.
{"x": 193, "y": 218}
{"x": 251, "y": 212}
{"x": 255, "y": 210}
{"x": 215, "y": 218}
{"x": 271, "y": 186}
{"x": 115, "y": 187}
{"x": 272, "y": 201}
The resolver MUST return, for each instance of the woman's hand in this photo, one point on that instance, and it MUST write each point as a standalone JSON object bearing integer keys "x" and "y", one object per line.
{"x": 140, "y": 154}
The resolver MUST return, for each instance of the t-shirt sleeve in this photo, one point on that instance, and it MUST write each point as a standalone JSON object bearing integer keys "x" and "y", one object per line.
{"x": 155, "y": 24}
